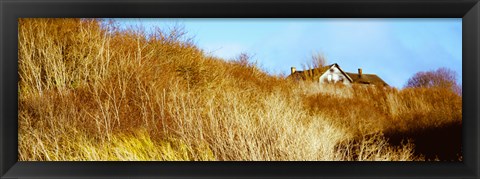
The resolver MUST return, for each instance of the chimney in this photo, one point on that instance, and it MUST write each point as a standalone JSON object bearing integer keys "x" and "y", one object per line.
{"x": 359, "y": 72}
{"x": 293, "y": 70}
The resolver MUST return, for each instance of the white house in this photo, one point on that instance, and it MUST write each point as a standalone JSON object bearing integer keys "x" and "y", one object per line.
{"x": 333, "y": 74}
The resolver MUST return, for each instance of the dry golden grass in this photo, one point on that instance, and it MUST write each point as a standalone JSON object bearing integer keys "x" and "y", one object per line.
{"x": 89, "y": 91}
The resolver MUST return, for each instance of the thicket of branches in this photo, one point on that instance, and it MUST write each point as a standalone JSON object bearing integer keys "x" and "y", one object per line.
{"x": 440, "y": 78}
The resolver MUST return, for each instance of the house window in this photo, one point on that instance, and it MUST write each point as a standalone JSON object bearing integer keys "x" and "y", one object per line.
{"x": 335, "y": 78}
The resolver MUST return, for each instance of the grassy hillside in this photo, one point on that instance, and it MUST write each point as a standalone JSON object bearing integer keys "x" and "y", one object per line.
{"x": 90, "y": 91}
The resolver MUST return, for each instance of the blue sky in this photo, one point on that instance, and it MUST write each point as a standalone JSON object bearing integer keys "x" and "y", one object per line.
{"x": 394, "y": 49}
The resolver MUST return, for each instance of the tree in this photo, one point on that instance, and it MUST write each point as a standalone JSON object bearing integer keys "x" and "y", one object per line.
{"x": 244, "y": 59}
{"x": 442, "y": 78}
{"x": 318, "y": 60}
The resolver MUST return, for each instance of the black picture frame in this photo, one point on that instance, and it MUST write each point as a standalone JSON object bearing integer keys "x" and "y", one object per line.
{"x": 11, "y": 10}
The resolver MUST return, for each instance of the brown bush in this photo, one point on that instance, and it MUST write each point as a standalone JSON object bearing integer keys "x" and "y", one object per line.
{"x": 89, "y": 91}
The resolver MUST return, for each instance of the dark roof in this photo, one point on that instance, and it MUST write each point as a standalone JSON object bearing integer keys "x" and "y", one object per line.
{"x": 303, "y": 75}
{"x": 353, "y": 77}
{"x": 367, "y": 79}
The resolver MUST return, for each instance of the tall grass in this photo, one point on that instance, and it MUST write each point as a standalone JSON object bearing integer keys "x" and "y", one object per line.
{"x": 90, "y": 91}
